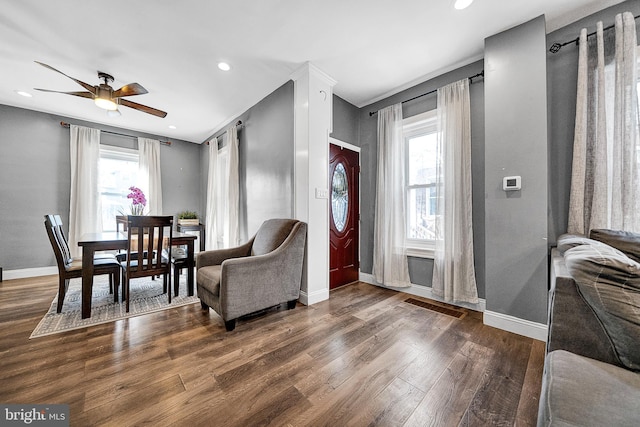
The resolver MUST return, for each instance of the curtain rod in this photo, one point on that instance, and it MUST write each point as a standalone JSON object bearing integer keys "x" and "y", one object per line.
{"x": 480, "y": 74}
{"x": 67, "y": 125}
{"x": 238, "y": 126}
{"x": 555, "y": 48}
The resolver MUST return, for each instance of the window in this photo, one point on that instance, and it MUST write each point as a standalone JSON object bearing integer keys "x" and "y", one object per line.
{"x": 118, "y": 171}
{"x": 421, "y": 139}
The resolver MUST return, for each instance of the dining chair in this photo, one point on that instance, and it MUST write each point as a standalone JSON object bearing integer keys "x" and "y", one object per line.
{"x": 151, "y": 236}
{"x": 179, "y": 260}
{"x": 69, "y": 268}
{"x": 57, "y": 222}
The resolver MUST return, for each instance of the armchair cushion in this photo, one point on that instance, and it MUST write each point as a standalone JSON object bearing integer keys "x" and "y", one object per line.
{"x": 271, "y": 235}
{"x": 209, "y": 278}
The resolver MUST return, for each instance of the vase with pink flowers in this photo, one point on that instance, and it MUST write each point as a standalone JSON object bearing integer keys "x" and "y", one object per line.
{"x": 138, "y": 201}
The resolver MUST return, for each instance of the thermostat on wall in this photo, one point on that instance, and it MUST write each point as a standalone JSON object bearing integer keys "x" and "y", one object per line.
{"x": 511, "y": 183}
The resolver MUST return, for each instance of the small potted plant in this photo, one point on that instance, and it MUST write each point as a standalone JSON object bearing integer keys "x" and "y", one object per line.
{"x": 188, "y": 218}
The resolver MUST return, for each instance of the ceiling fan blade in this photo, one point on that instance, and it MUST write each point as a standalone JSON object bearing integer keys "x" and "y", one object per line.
{"x": 87, "y": 86}
{"x": 82, "y": 94}
{"x": 141, "y": 107}
{"x": 130, "y": 90}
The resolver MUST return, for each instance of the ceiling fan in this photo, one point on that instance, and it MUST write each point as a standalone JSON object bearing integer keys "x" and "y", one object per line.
{"x": 105, "y": 97}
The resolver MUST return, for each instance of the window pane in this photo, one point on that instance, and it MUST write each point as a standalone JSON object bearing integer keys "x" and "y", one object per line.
{"x": 422, "y": 159}
{"x": 339, "y": 197}
{"x": 421, "y": 213}
{"x": 116, "y": 176}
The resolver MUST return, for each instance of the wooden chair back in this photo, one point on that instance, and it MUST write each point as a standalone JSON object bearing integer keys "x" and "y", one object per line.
{"x": 151, "y": 236}
{"x": 56, "y": 238}
{"x": 57, "y": 220}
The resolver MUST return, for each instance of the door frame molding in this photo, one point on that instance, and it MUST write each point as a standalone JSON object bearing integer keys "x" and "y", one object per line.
{"x": 346, "y": 145}
{"x": 357, "y": 149}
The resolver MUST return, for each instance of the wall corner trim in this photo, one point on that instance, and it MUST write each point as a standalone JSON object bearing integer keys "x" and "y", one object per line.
{"x": 308, "y": 68}
{"x": 516, "y": 325}
{"x": 314, "y": 297}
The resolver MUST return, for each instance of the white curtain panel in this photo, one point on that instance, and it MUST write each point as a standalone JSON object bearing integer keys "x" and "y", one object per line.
{"x": 232, "y": 191}
{"x": 150, "y": 180}
{"x": 85, "y": 209}
{"x": 605, "y": 190}
{"x": 211, "y": 231}
{"x": 454, "y": 276}
{"x": 390, "y": 266}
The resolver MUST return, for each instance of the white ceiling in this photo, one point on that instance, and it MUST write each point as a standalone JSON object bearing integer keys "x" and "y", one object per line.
{"x": 372, "y": 48}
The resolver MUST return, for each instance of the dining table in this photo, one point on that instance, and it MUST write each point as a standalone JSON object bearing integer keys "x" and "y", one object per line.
{"x": 114, "y": 240}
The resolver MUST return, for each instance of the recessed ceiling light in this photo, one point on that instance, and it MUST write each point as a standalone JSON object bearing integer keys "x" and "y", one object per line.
{"x": 224, "y": 66}
{"x": 23, "y": 93}
{"x": 172, "y": 127}
{"x": 462, "y": 4}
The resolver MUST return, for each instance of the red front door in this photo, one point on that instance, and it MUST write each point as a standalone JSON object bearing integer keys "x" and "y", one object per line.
{"x": 344, "y": 212}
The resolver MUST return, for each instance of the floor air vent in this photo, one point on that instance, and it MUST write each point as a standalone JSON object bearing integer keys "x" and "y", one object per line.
{"x": 459, "y": 314}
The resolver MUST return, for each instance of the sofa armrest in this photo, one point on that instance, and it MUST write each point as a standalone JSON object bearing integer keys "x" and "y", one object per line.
{"x": 218, "y": 256}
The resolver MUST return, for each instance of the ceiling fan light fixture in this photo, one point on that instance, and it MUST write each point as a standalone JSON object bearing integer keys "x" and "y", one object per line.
{"x": 462, "y": 4}
{"x": 106, "y": 104}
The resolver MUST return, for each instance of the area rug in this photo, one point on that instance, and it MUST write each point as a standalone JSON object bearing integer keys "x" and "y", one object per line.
{"x": 146, "y": 297}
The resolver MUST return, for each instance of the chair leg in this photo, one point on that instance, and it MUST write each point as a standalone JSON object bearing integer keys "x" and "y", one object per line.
{"x": 167, "y": 279}
{"x": 125, "y": 290}
{"x": 116, "y": 285}
{"x": 62, "y": 291}
{"x": 291, "y": 304}
{"x": 111, "y": 283}
{"x": 230, "y": 325}
{"x": 176, "y": 280}
{"x": 203, "y": 305}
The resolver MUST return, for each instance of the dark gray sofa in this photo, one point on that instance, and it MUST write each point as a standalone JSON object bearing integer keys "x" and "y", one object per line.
{"x": 592, "y": 367}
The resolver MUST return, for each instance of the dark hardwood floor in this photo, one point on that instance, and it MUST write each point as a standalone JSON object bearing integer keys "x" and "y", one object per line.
{"x": 364, "y": 357}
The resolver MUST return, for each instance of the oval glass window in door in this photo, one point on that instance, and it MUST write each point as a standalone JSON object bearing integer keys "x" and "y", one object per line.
{"x": 339, "y": 197}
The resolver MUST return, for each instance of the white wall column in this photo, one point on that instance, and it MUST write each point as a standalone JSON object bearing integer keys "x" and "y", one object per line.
{"x": 313, "y": 122}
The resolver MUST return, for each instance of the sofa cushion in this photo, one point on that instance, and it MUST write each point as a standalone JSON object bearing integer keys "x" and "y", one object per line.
{"x": 568, "y": 241}
{"x": 602, "y": 263}
{"x": 578, "y": 391}
{"x": 625, "y": 241}
{"x": 209, "y": 278}
{"x": 271, "y": 235}
{"x": 609, "y": 281}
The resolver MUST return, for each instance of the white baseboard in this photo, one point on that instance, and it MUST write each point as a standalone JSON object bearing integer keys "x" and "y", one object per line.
{"x": 516, "y": 325}
{"x": 314, "y": 297}
{"x": 29, "y": 272}
{"x": 513, "y": 324}
{"x": 425, "y": 292}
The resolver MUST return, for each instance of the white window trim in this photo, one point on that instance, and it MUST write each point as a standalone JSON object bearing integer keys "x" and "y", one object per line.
{"x": 118, "y": 153}
{"x": 413, "y": 126}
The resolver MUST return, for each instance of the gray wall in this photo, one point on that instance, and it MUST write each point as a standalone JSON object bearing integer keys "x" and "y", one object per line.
{"x": 562, "y": 68}
{"x": 516, "y": 144}
{"x": 346, "y": 121}
{"x": 421, "y": 269}
{"x": 265, "y": 161}
{"x": 35, "y": 180}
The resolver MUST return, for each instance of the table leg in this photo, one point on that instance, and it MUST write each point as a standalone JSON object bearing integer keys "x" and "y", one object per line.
{"x": 88, "y": 251}
{"x": 190, "y": 265}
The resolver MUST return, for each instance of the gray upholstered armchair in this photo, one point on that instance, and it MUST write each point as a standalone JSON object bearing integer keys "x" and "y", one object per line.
{"x": 264, "y": 272}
